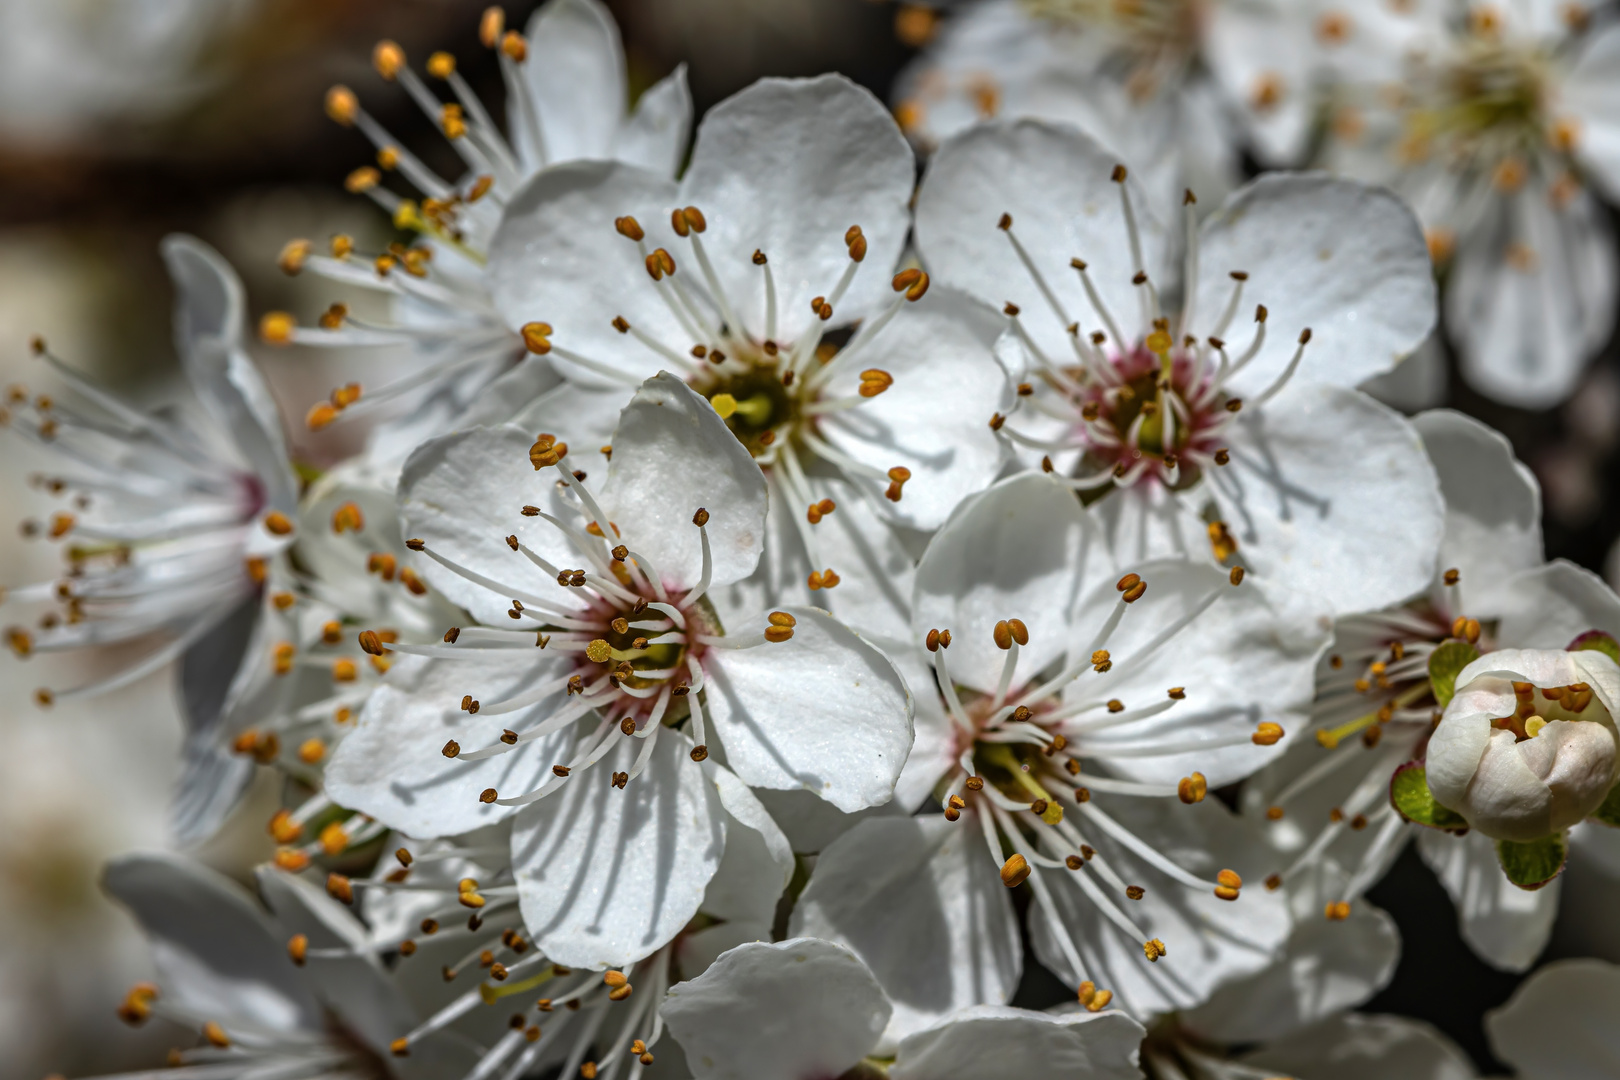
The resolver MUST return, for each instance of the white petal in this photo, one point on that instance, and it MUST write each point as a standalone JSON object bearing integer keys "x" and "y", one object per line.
{"x": 224, "y": 685}
{"x": 1493, "y": 504}
{"x": 463, "y": 494}
{"x": 1560, "y": 1022}
{"x": 1343, "y": 259}
{"x": 1251, "y": 45}
{"x": 215, "y": 949}
{"x": 1055, "y": 182}
{"x": 1356, "y": 1047}
{"x": 672, "y": 456}
{"x": 1022, "y": 549}
{"x": 1211, "y": 942}
{"x": 576, "y": 80}
{"x": 1527, "y": 318}
{"x": 757, "y": 865}
{"x": 392, "y": 765}
{"x": 1591, "y": 94}
{"x": 208, "y": 321}
{"x": 988, "y": 1042}
{"x": 354, "y": 987}
{"x": 605, "y": 876}
{"x": 1547, "y": 607}
{"x": 785, "y": 167}
{"x": 823, "y": 711}
{"x": 1330, "y": 494}
{"x": 1326, "y": 968}
{"x": 557, "y": 258}
{"x": 1242, "y": 661}
{"x": 800, "y": 1009}
{"x": 655, "y": 135}
{"x": 935, "y": 419}
{"x": 1505, "y": 925}
{"x": 920, "y": 901}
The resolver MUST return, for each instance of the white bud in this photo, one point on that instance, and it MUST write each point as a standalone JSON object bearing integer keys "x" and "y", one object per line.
{"x": 1524, "y": 788}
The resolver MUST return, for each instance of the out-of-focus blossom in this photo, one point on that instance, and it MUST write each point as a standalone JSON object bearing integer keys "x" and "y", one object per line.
{"x": 566, "y": 101}
{"x": 1178, "y": 89}
{"x": 174, "y": 531}
{"x": 1495, "y": 121}
{"x": 1560, "y": 1022}
{"x": 73, "y": 71}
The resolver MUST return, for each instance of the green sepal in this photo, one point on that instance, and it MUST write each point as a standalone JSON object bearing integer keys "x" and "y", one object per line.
{"x": 1609, "y": 812}
{"x": 1409, "y": 794}
{"x": 1445, "y": 664}
{"x": 1532, "y": 865}
{"x": 1596, "y": 641}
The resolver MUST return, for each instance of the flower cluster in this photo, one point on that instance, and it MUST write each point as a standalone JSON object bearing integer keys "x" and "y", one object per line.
{"x": 794, "y": 593}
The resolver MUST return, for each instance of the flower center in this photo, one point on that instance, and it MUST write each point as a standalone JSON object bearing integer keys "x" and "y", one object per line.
{"x": 1538, "y": 708}
{"x": 1163, "y": 404}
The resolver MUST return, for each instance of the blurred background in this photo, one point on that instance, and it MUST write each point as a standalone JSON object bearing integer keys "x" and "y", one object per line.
{"x": 124, "y": 120}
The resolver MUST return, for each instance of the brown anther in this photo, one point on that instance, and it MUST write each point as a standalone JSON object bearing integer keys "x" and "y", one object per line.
{"x": 1235, "y": 575}
{"x": 1005, "y": 223}
{"x": 1223, "y": 456}
{"x": 339, "y": 888}
{"x": 1337, "y": 911}
{"x": 1153, "y": 950}
{"x": 997, "y": 420}
{"x": 537, "y": 337}
{"x": 1135, "y": 892}
{"x": 1014, "y": 871}
{"x": 1022, "y": 715}
{"x": 1177, "y": 693}
{"x": 1192, "y": 789}
{"x": 912, "y": 282}
{"x": 371, "y": 643}
{"x": 1038, "y": 807}
{"x": 514, "y": 47}
{"x": 1119, "y": 174}
{"x": 1101, "y": 661}
{"x": 701, "y": 518}
{"x": 311, "y": 750}
{"x": 855, "y": 242}
{"x": 780, "y": 626}
{"x": 1139, "y": 278}
{"x": 1115, "y": 705}
{"x": 1234, "y": 405}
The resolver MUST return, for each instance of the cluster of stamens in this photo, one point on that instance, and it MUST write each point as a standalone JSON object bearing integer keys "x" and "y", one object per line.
{"x": 1020, "y": 768}
{"x": 1138, "y": 407}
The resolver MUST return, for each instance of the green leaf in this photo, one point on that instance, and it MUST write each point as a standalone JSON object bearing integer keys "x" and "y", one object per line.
{"x": 1532, "y": 865}
{"x": 1609, "y": 812}
{"x": 1409, "y": 794}
{"x": 1445, "y": 663}
{"x": 1597, "y": 641}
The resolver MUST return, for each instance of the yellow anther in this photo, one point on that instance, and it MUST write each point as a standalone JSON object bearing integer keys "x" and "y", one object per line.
{"x": 342, "y": 105}
{"x": 1014, "y": 871}
{"x": 441, "y": 65}
{"x": 276, "y": 327}
{"x": 387, "y": 58}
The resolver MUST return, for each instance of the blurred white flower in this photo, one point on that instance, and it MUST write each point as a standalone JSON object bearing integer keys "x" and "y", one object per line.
{"x": 174, "y": 532}
{"x": 566, "y": 101}
{"x": 1560, "y": 1022}
{"x": 796, "y": 699}
{"x": 71, "y": 71}
{"x": 1492, "y": 119}
{"x": 1178, "y": 89}
{"x": 1259, "y": 453}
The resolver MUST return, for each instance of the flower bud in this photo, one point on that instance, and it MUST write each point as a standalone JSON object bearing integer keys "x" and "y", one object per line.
{"x": 1528, "y": 746}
